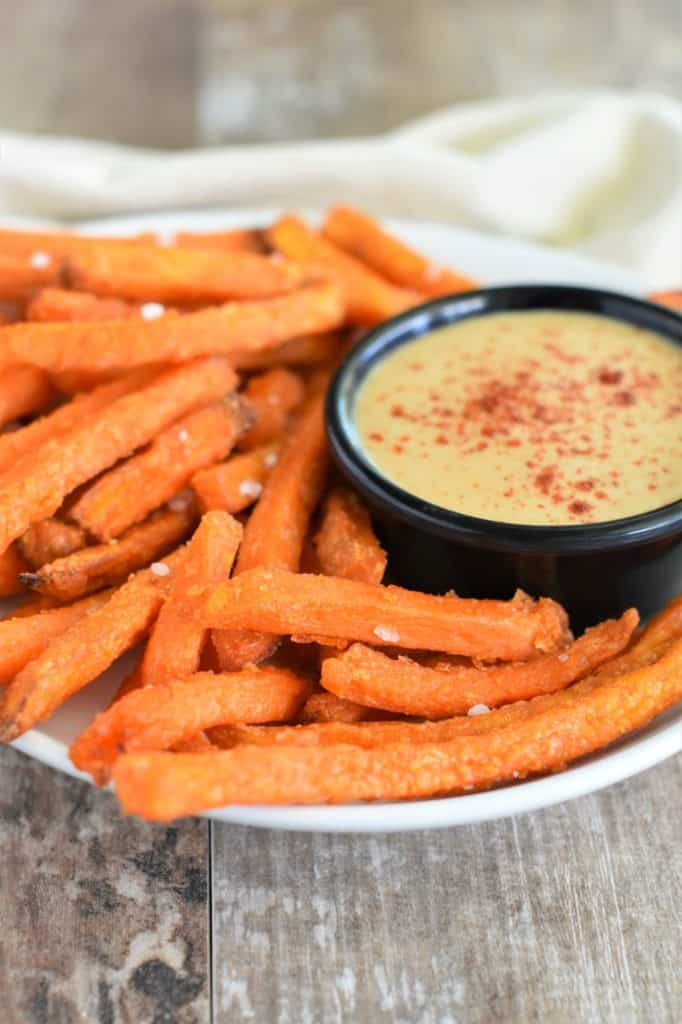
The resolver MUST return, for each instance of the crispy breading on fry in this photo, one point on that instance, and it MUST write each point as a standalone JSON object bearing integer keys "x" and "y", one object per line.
{"x": 147, "y": 274}
{"x": 363, "y": 238}
{"x": 54, "y": 305}
{"x": 45, "y": 542}
{"x": 273, "y": 396}
{"x": 276, "y": 530}
{"x": 12, "y": 564}
{"x": 369, "y": 298}
{"x": 571, "y": 724}
{"x": 274, "y": 600}
{"x": 234, "y": 239}
{"x": 327, "y": 707}
{"x": 236, "y": 327}
{"x": 23, "y": 390}
{"x": 104, "y": 565}
{"x": 370, "y": 678}
{"x": 21, "y": 275}
{"x": 158, "y": 717}
{"x": 176, "y": 641}
{"x": 236, "y": 484}
{"x": 345, "y": 542}
{"x": 24, "y": 636}
{"x": 131, "y": 490}
{"x": 35, "y": 488}
{"x": 81, "y": 653}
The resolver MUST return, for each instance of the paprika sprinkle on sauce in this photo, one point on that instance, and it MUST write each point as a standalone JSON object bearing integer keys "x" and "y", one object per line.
{"x": 540, "y": 417}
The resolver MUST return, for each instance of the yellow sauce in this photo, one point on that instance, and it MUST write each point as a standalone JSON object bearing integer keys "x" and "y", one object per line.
{"x": 542, "y": 417}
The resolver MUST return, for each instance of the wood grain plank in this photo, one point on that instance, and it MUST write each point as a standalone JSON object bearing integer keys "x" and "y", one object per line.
{"x": 104, "y": 918}
{"x": 568, "y": 915}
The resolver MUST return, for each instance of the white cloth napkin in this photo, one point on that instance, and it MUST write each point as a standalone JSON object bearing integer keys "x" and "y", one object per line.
{"x": 597, "y": 171}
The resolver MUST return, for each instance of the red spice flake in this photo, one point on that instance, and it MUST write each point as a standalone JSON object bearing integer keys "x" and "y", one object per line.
{"x": 584, "y": 485}
{"x": 602, "y": 495}
{"x": 624, "y": 398}
{"x": 398, "y": 449}
{"x": 481, "y": 446}
{"x": 509, "y": 493}
{"x": 398, "y": 411}
{"x": 609, "y": 376}
{"x": 513, "y": 442}
{"x": 545, "y": 479}
{"x": 579, "y": 508}
{"x": 375, "y": 436}
{"x": 442, "y": 439}
{"x": 416, "y": 366}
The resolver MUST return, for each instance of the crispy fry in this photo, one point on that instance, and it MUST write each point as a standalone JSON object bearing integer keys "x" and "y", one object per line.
{"x": 671, "y": 298}
{"x": 276, "y": 601}
{"x": 20, "y": 276}
{"x": 235, "y": 239}
{"x": 130, "y": 491}
{"x": 12, "y": 564}
{"x": 52, "y": 305}
{"x": 308, "y": 350}
{"x": 370, "y": 678}
{"x": 24, "y": 637}
{"x": 59, "y": 244}
{"x": 275, "y": 533}
{"x": 345, "y": 542}
{"x": 158, "y": 717}
{"x": 571, "y": 724}
{"x": 327, "y": 707}
{"x": 23, "y": 390}
{"x": 35, "y": 488}
{"x": 198, "y": 744}
{"x": 235, "y": 327}
{"x": 173, "y": 275}
{"x": 103, "y": 565}
{"x": 45, "y": 542}
{"x": 369, "y": 298}
{"x": 236, "y": 484}
{"x": 361, "y": 237}
{"x": 19, "y": 443}
{"x": 176, "y": 642}
{"x": 84, "y": 651}
{"x": 273, "y": 396}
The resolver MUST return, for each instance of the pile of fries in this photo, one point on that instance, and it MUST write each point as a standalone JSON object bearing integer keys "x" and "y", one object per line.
{"x": 165, "y": 482}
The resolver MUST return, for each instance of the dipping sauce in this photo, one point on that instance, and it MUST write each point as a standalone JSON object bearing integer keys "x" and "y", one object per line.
{"x": 540, "y": 417}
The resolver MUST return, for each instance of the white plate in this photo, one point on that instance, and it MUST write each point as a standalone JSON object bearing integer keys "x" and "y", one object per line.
{"x": 495, "y": 261}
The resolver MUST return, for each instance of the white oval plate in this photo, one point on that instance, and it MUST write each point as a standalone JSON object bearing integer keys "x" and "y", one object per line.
{"x": 495, "y": 261}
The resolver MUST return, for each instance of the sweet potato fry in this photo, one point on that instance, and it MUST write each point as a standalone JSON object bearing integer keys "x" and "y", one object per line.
{"x": 276, "y": 530}
{"x": 19, "y": 443}
{"x": 104, "y": 565}
{"x": 345, "y": 542}
{"x": 23, "y": 390}
{"x": 369, "y": 298}
{"x": 54, "y": 305}
{"x": 572, "y": 724}
{"x": 198, "y": 744}
{"x": 237, "y": 483}
{"x": 60, "y": 244}
{"x": 308, "y": 350}
{"x": 24, "y": 637}
{"x": 273, "y": 396}
{"x": 130, "y": 491}
{"x": 35, "y": 488}
{"x": 81, "y": 653}
{"x": 361, "y": 237}
{"x": 176, "y": 642}
{"x": 234, "y": 239}
{"x": 147, "y": 274}
{"x": 671, "y": 298}
{"x": 235, "y": 327}
{"x": 20, "y": 276}
{"x": 327, "y": 707}
{"x": 370, "y": 678}
{"x": 12, "y": 564}
{"x": 45, "y": 542}
{"x": 158, "y": 717}
{"x": 273, "y": 600}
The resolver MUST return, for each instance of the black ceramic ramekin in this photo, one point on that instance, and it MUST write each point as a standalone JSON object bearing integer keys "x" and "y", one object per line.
{"x": 595, "y": 570}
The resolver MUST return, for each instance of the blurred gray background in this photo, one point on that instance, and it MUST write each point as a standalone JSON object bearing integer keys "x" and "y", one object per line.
{"x": 174, "y": 73}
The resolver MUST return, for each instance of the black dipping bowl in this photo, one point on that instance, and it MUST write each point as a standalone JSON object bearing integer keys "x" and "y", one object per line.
{"x": 595, "y": 571}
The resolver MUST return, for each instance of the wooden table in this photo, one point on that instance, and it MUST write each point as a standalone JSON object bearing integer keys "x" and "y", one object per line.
{"x": 567, "y": 915}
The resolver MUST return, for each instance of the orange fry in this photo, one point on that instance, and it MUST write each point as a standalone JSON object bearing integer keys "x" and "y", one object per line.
{"x": 235, "y": 327}
{"x": 370, "y": 678}
{"x": 12, "y": 564}
{"x": 308, "y": 350}
{"x": 276, "y": 530}
{"x": 23, "y": 390}
{"x": 671, "y": 298}
{"x": 345, "y": 542}
{"x": 273, "y": 395}
{"x": 19, "y": 443}
{"x": 24, "y": 637}
{"x": 35, "y": 488}
{"x": 176, "y": 642}
{"x": 158, "y": 717}
{"x": 237, "y": 483}
{"x": 361, "y": 237}
{"x": 51, "y": 305}
{"x": 44, "y": 542}
{"x": 20, "y": 276}
{"x": 235, "y": 239}
{"x": 273, "y": 600}
{"x": 103, "y": 565}
{"x": 369, "y": 298}
{"x": 130, "y": 491}
{"x": 84, "y": 651}
{"x": 327, "y": 707}
{"x": 59, "y": 244}
{"x": 571, "y": 724}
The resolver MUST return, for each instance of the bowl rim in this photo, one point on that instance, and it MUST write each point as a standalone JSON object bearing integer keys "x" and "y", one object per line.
{"x": 387, "y": 497}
